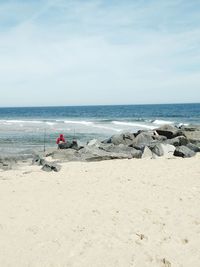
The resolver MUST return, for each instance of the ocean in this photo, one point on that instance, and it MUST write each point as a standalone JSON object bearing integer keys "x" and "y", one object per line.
{"x": 31, "y": 127}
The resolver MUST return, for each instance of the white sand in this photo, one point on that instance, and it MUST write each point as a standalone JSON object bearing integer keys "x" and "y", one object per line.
{"x": 113, "y": 213}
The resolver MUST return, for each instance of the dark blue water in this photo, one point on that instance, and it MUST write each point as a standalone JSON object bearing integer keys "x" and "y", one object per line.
{"x": 186, "y": 112}
{"x": 22, "y": 128}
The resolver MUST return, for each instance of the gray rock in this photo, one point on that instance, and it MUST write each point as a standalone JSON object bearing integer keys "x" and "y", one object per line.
{"x": 192, "y": 135}
{"x": 193, "y": 147}
{"x": 11, "y": 161}
{"x": 184, "y": 152}
{"x": 8, "y": 162}
{"x": 136, "y": 154}
{"x": 51, "y": 166}
{"x": 124, "y": 149}
{"x": 106, "y": 141}
{"x": 139, "y": 147}
{"x": 147, "y": 153}
{"x": 117, "y": 139}
{"x": 169, "y": 131}
{"x": 95, "y": 154}
{"x": 125, "y": 138}
{"x": 128, "y": 138}
{"x": 99, "y": 156}
{"x": 115, "y": 148}
{"x": 6, "y": 165}
{"x": 165, "y": 150}
{"x": 74, "y": 145}
{"x": 168, "y": 150}
{"x": 64, "y": 145}
{"x": 38, "y": 160}
{"x": 190, "y": 128}
{"x": 157, "y": 149}
{"x": 177, "y": 141}
{"x": 65, "y": 154}
{"x": 94, "y": 143}
{"x": 160, "y": 138}
{"x": 142, "y": 139}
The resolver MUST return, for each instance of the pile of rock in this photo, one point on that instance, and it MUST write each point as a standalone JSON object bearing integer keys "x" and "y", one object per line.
{"x": 11, "y": 161}
{"x": 46, "y": 165}
{"x": 167, "y": 141}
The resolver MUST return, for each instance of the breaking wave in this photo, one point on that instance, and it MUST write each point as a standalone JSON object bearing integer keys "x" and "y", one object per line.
{"x": 133, "y": 124}
{"x": 162, "y": 122}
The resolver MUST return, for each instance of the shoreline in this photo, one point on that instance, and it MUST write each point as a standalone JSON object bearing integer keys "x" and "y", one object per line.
{"x": 26, "y": 126}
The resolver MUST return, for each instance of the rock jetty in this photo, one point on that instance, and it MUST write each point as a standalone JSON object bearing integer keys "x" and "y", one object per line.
{"x": 167, "y": 141}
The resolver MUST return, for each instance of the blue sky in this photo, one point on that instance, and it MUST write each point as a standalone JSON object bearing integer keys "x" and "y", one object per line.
{"x": 64, "y": 52}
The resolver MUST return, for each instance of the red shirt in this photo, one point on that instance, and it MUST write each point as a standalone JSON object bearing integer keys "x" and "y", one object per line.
{"x": 60, "y": 139}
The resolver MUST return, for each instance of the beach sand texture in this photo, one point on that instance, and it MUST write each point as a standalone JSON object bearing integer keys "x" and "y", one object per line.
{"x": 123, "y": 213}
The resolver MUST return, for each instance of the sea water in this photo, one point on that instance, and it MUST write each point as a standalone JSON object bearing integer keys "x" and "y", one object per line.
{"x": 32, "y": 127}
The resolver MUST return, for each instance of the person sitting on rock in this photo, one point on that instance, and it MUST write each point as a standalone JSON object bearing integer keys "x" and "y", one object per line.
{"x": 60, "y": 140}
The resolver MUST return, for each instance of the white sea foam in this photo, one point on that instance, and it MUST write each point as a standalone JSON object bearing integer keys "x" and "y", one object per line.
{"x": 107, "y": 128}
{"x": 20, "y": 121}
{"x": 11, "y": 121}
{"x": 86, "y": 123}
{"x": 162, "y": 122}
{"x": 183, "y": 124}
{"x": 50, "y": 123}
{"x": 133, "y": 124}
{"x": 36, "y": 122}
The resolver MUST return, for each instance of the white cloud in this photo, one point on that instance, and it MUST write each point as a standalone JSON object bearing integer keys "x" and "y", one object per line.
{"x": 96, "y": 53}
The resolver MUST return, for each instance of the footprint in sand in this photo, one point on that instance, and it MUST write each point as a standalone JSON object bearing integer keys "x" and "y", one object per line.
{"x": 34, "y": 230}
{"x": 166, "y": 263}
{"x": 141, "y": 236}
{"x": 185, "y": 241}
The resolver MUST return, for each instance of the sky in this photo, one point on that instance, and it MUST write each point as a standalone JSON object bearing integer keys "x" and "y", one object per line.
{"x": 93, "y": 52}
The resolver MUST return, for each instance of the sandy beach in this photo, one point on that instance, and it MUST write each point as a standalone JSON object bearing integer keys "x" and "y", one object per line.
{"x": 111, "y": 213}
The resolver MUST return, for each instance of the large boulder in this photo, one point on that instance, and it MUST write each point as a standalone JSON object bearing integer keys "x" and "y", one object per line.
{"x": 122, "y": 149}
{"x": 151, "y": 133}
{"x": 184, "y": 152}
{"x": 65, "y": 154}
{"x": 38, "y": 160}
{"x": 51, "y": 166}
{"x": 64, "y": 145}
{"x": 94, "y": 143}
{"x": 147, "y": 153}
{"x": 177, "y": 141}
{"x": 193, "y": 147}
{"x": 160, "y": 138}
{"x": 124, "y": 138}
{"x": 115, "y": 139}
{"x": 143, "y": 139}
{"x": 192, "y": 133}
{"x": 164, "y": 150}
{"x": 74, "y": 145}
{"x": 95, "y": 154}
{"x": 169, "y": 131}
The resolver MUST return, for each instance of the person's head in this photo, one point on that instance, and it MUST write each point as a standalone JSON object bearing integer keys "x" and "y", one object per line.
{"x": 61, "y": 135}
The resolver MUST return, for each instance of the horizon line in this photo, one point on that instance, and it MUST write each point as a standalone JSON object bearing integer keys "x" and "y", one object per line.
{"x": 101, "y": 105}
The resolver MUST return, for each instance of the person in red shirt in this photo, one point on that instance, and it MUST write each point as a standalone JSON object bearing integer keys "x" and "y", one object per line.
{"x": 60, "y": 139}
